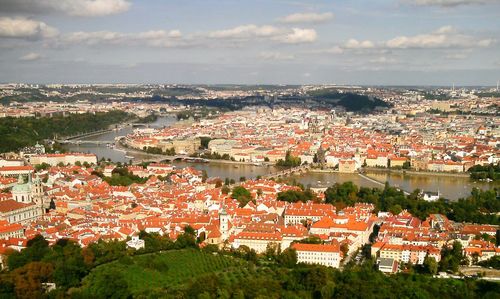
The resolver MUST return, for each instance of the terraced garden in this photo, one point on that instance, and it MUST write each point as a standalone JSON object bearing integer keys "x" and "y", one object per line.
{"x": 170, "y": 270}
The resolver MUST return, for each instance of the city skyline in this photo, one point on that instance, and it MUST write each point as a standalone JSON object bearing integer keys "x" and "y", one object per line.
{"x": 391, "y": 42}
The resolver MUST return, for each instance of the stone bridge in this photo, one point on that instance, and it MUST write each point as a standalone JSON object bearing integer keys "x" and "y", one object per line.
{"x": 286, "y": 172}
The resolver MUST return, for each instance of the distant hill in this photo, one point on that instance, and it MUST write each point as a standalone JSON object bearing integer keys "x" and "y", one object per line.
{"x": 350, "y": 101}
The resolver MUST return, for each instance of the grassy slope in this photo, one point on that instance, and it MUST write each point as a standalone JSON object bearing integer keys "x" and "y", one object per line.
{"x": 170, "y": 269}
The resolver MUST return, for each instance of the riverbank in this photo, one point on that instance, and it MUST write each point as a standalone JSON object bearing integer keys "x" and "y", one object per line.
{"x": 396, "y": 171}
{"x": 145, "y": 156}
{"x": 413, "y": 172}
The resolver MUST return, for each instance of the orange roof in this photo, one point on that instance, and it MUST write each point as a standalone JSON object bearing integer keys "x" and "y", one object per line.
{"x": 11, "y": 205}
{"x": 14, "y": 168}
{"x": 325, "y": 222}
{"x": 334, "y": 247}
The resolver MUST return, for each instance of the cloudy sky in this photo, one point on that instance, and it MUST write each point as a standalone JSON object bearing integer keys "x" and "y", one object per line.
{"x": 386, "y": 42}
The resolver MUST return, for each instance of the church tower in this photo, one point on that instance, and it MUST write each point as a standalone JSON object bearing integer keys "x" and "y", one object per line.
{"x": 37, "y": 191}
{"x": 224, "y": 223}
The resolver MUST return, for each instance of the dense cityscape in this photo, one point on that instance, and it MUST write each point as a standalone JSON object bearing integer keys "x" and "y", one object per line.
{"x": 249, "y": 149}
{"x": 59, "y": 194}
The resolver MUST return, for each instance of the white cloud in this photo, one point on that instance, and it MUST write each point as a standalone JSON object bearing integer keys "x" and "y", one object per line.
{"x": 456, "y": 56}
{"x": 25, "y": 28}
{"x": 355, "y": 44}
{"x": 152, "y": 38}
{"x": 444, "y": 37}
{"x": 276, "y": 56}
{"x": 332, "y": 50}
{"x": 30, "y": 57}
{"x": 311, "y": 17}
{"x": 175, "y": 34}
{"x": 450, "y": 3}
{"x": 83, "y": 8}
{"x": 383, "y": 60}
{"x": 246, "y": 31}
{"x": 299, "y": 36}
{"x": 252, "y": 32}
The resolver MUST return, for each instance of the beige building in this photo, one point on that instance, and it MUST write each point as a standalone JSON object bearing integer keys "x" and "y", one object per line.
{"x": 181, "y": 146}
{"x": 397, "y": 161}
{"x": 376, "y": 161}
{"x": 450, "y": 166}
{"x": 18, "y": 212}
{"x": 321, "y": 254}
{"x": 10, "y": 230}
{"x": 221, "y": 146}
{"x": 257, "y": 241}
{"x": 347, "y": 166}
{"x": 71, "y": 158}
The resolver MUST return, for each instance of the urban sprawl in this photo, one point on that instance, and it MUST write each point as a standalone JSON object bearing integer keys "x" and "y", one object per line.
{"x": 72, "y": 195}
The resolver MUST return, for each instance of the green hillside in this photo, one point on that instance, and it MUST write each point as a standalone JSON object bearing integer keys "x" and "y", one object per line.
{"x": 151, "y": 273}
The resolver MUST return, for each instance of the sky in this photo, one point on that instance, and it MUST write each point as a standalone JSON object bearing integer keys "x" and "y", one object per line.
{"x": 360, "y": 42}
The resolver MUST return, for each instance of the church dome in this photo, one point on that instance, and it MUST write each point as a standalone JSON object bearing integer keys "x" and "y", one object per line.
{"x": 21, "y": 187}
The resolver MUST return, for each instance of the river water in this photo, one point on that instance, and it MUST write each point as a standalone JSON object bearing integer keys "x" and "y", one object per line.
{"x": 103, "y": 151}
{"x": 450, "y": 187}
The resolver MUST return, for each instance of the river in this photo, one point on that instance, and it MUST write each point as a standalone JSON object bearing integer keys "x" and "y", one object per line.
{"x": 450, "y": 187}
{"x": 102, "y": 151}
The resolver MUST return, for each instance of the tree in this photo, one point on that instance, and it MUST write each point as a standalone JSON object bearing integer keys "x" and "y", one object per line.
{"x": 242, "y": 195}
{"x": 188, "y": 229}
{"x": 310, "y": 240}
{"x": 451, "y": 257}
{"x": 341, "y": 195}
{"x": 430, "y": 265}
{"x": 108, "y": 283}
{"x": 290, "y": 161}
{"x": 225, "y": 189}
{"x": 29, "y": 278}
{"x": 52, "y": 205}
{"x": 204, "y": 141}
{"x": 187, "y": 239}
{"x": 247, "y": 253}
{"x": 35, "y": 251}
{"x": 42, "y": 166}
{"x": 271, "y": 251}
{"x": 344, "y": 248}
{"x": 288, "y": 258}
{"x": 295, "y": 196}
{"x": 69, "y": 263}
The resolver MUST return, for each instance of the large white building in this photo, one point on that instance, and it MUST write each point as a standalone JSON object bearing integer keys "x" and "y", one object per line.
{"x": 27, "y": 203}
{"x": 322, "y": 254}
{"x": 257, "y": 241}
{"x": 70, "y": 158}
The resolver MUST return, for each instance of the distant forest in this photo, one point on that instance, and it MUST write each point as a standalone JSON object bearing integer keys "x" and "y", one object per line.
{"x": 26, "y": 131}
{"x": 327, "y": 99}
